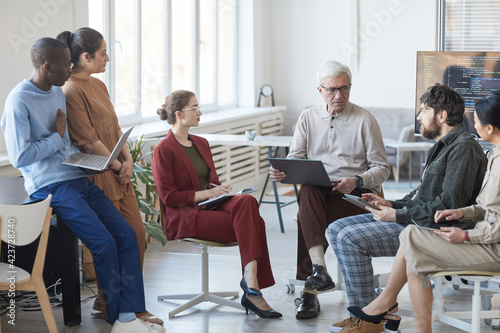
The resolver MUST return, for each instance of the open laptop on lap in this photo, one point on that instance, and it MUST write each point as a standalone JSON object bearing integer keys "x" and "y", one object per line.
{"x": 302, "y": 171}
{"x": 96, "y": 162}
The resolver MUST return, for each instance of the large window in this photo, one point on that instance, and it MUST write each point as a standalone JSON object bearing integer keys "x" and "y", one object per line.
{"x": 157, "y": 46}
{"x": 470, "y": 25}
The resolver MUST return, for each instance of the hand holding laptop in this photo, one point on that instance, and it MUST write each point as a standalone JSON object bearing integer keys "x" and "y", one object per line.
{"x": 276, "y": 175}
{"x": 299, "y": 171}
{"x": 97, "y": 162}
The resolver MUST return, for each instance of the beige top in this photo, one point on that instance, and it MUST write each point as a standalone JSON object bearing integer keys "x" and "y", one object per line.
{"x": 487, "y": 209}
{"x": 348, "y": 144}
{"x": 92, "y": 117}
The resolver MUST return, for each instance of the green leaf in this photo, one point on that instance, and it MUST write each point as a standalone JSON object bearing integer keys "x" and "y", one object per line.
{"x": 147, "y": 208}
{"x": 155, "y": 230}
{"x": 145, "y": 201}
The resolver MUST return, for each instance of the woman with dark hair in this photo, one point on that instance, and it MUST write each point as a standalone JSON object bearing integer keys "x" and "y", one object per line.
{"x": 424, "y": 252}
{"x": 93, "y": 127}
{"x": 185, "y": 175}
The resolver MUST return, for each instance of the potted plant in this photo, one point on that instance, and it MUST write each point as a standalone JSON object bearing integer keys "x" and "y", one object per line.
{"x": 148, "y": 201}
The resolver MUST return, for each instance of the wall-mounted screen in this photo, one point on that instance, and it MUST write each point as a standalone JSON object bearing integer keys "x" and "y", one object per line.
{"x": 473, "y": 75}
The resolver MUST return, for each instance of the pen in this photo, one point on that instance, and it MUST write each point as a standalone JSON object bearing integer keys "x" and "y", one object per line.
{"x": 214, "y": 185}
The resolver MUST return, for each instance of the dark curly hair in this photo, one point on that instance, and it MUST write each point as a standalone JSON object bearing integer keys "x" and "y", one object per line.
{"x": 441, "y": 97}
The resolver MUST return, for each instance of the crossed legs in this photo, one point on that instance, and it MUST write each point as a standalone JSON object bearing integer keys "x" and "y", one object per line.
{"x": 356, "y": 240}
{"x": 421, "y": 298}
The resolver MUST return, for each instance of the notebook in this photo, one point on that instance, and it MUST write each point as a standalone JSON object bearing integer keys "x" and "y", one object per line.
{"x": 224, "y": 197}
{"x": 96, "y": 162}
{"x": 302, "y": 171}
{"x": 360, "y": 202}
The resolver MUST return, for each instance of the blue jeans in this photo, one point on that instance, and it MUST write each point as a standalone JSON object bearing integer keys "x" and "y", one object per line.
{"x": 92, "y": 217}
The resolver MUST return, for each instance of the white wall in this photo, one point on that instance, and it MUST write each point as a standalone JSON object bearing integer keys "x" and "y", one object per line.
{"x": 284, "y": 44}
{"x": 23, "y": 22}
{"x": 303, "y": 34}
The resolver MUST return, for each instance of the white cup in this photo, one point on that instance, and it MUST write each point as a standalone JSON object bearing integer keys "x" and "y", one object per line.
{"x": 250, "y": 134}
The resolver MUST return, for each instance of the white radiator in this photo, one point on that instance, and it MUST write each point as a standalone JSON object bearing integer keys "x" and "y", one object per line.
{"x": 246, "y": 164}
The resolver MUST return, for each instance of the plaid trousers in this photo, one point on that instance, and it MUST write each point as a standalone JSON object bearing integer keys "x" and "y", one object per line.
{"x": 355, "y": 240}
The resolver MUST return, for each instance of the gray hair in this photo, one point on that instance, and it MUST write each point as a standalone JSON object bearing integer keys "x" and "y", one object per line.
{"x": 332, "y": 68}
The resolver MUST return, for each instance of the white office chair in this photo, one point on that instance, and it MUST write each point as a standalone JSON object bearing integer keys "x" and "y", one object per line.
{"x": 205, "y": 295}
{"x": 456, "y": 318}
{"x": 22, "y": 224}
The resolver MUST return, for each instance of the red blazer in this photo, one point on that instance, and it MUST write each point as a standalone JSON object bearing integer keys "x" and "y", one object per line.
{"x": 176, "y": 182}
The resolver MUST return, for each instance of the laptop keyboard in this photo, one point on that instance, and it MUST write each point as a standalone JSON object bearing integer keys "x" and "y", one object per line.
{"x": 94, "y": 161}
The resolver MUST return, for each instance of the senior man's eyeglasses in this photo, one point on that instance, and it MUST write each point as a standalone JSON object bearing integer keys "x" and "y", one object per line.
{"x": 333, "y": 90}
{"x": 196, "y": 108}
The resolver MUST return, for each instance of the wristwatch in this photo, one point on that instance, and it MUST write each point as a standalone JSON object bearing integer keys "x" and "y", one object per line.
{"x": 359, "y": 181}
{"x": 467, "y": 238}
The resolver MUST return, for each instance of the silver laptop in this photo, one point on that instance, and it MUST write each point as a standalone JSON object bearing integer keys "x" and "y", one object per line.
{"x": 96, "y": 162}
{"x": 302, "y": 171}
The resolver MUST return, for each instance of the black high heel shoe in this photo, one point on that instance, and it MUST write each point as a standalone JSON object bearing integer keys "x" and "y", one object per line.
{"x": 248, "y": 305}
{"x": 392, "y": 323}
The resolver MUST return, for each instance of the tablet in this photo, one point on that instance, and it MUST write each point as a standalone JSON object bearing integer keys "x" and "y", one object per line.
{"x": 360, "y": 202}
{"x": 302, "y": 171}
{"x": 465, "y": 225}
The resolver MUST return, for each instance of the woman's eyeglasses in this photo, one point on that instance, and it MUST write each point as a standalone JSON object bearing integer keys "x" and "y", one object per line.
{"x": 196, "y": 108}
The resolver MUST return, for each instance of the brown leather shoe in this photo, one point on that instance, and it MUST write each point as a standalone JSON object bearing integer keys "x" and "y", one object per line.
{"x": 146, "y": 316}
{"x": 309, "y": 306}
{"x": 338, "y": 326}
{"x": 362, "y": 326}
{"x": 320, "y": 279}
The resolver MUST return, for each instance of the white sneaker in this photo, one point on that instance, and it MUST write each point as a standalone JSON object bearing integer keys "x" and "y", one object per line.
{"x": 137, "y": 326}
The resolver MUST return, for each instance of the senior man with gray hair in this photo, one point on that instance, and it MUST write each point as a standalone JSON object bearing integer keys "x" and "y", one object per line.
{"x": 347, "y": 139}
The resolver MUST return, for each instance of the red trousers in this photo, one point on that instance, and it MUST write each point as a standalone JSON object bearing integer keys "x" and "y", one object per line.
{"x": 318, "y": 207}
{"x": 239, "y": 220}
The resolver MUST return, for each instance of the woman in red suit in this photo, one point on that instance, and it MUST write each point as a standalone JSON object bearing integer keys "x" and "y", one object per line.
{"x": 184, "y": 174}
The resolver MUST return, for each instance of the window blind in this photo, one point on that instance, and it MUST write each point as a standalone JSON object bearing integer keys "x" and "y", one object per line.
{"x": 471, "y": 25}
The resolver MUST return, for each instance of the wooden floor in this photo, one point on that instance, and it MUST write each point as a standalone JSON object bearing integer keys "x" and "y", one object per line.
{"x": 176, "y": 269}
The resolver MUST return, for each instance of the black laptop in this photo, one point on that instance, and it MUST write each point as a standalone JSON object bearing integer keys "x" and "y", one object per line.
{"x": 302, "y": 171}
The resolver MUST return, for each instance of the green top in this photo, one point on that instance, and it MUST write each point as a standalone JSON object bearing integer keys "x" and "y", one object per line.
{"x": 202, "y": 169}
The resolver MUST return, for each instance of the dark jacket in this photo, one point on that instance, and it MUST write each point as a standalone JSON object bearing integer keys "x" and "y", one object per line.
{"x": 452, "y": 178}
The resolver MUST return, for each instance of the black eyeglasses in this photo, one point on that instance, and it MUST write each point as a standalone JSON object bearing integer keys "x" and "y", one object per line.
{"x": 333, "y": 90}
